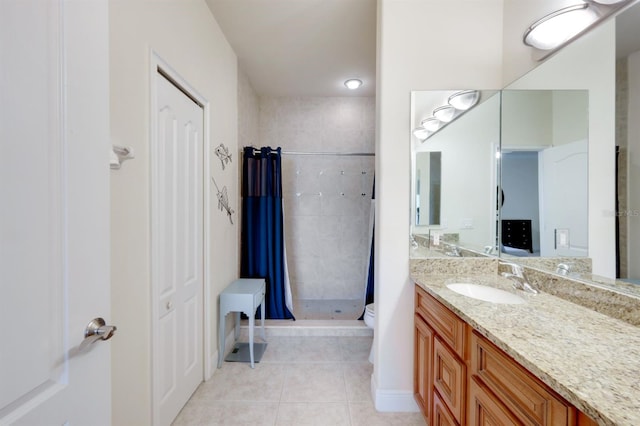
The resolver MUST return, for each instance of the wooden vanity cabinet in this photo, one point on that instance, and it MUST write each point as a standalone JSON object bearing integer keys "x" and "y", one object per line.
{"x": 460, "y": 378}
{"x": 423, "y": 347}
{"x": 528, "y": 399}
{"x": 485, "y": 409}
{"x": 440, "y": 370}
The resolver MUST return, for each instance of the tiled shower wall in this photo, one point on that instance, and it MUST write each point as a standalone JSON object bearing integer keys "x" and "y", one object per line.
{"x": 622, "y": 101}
{"x": 327, "y": 198}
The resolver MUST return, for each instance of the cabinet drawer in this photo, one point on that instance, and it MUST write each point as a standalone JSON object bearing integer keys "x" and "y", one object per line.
{"x": 449, "y": 378}
{"x": 445, "y": 323}
{"x": 441, "y": 414}
{"x": 532, "y": 402}
{"x": 486, "y": 410}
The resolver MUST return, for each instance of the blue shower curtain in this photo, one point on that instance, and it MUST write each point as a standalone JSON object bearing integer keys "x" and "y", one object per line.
{"x": 263, "y": 252}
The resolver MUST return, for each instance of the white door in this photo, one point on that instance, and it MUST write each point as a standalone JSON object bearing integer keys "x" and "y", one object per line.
{"x": 177, "y": 263}
{"x": 563, "y": 199}
{"x": 54, "y": 212}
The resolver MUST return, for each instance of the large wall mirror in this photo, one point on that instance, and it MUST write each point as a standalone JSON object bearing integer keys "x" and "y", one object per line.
{"x": 574, "y": 114}
{"x": 544, "y": 178}
{"x": 453, "y": 169}
{"x": 510, "y": 176}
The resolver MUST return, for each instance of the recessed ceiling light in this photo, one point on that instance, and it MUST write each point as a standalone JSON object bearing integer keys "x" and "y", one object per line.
{"x": 560, "y": 26}
{"x": 353, "y": 83}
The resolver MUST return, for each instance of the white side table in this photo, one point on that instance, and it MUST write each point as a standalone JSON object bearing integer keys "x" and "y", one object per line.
{"x": 242, "y": 295}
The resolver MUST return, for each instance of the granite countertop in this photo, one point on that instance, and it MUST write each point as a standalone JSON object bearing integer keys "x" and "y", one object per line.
{"x": 589, "y": 358}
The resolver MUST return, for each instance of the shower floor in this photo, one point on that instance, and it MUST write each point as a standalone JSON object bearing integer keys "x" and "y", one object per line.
{"x": 321, "y": 309}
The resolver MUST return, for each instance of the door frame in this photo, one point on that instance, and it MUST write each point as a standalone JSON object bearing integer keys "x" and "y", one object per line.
{"x": 160, "y": 66}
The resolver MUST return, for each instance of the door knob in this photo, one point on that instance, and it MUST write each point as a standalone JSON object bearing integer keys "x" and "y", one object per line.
{"x": 97, "y": 330}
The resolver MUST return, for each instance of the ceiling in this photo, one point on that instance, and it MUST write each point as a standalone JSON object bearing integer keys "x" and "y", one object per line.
{"x": 302, "y": 47}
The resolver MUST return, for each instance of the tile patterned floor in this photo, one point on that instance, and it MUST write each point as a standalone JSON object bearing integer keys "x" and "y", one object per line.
{"x": 301, "y": 380}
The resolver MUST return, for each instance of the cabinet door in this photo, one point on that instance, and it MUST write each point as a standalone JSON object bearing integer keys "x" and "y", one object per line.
{"x": 485, "y": 409}
{"x": 441, "y": 415}
{"x": 422, "y": 387}
{"x": 449, "y": 378}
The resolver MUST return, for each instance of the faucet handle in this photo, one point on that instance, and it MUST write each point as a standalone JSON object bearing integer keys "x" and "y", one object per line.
{"x": 515, "y": 268}
{"x": 563, "y": 268}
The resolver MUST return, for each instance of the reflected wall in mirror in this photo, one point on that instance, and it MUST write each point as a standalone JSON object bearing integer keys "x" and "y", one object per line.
{"x": 428, "y": 185}
{"x": 467, "y": 149}
{"x": 628, "y": 144}
{"x": 544, "y": 167}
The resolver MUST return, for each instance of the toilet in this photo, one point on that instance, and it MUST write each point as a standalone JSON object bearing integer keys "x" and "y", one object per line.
{"x": 370, "y": 320}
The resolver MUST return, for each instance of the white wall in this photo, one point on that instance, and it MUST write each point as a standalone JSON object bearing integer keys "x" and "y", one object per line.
{"x": 589, "y": 63}
{"x": 184, "y": 33}
{"x": 570, "y": 116}
{"x": 526, "y": 119}
{"x": 410, "y": 59}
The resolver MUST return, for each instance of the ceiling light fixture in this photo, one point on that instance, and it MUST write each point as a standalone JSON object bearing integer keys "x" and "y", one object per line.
{"x": 464, "y": 99}
{"x": 431, "y": 124}
{"x": 421, "y": 133}
{"x": 458, "y": 104}
{"x": 444, "y": 113}
{"x": 353, "y": 83}
{"x": 560, "y": 26}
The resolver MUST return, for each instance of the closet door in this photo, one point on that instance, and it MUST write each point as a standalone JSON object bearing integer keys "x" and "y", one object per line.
{"x": 177, "y": 251}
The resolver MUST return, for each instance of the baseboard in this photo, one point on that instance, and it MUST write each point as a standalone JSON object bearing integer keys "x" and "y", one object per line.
{"x": 229, "y": 341}
{"x": 394, "y": 401}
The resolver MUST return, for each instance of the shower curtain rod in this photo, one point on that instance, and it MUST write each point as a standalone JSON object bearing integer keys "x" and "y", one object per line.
{"x": 344, "y": 154}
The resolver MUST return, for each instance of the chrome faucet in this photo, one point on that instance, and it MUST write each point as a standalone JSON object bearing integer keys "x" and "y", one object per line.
{"x": 454, "y": 252}
{"x": 563, "y": 269}
{"x": 517, "y": 277}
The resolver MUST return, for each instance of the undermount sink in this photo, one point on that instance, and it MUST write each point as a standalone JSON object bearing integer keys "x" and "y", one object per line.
{"x": 485, "y": 293}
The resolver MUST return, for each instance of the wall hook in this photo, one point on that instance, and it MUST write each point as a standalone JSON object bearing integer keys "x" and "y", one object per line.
{"x": 120, "y": 154}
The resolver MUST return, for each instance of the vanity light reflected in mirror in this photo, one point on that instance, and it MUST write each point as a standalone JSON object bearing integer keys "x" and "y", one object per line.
{"x": 431, "y": 124}
{"x": 457, "y": 104}
{"x": 444, "y": 113}
{"x": 421, "y": 133}
{"x": 464, "y": 99}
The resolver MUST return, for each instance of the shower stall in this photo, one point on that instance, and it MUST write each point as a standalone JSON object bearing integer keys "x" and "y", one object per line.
{"x": 327, "y": 208}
